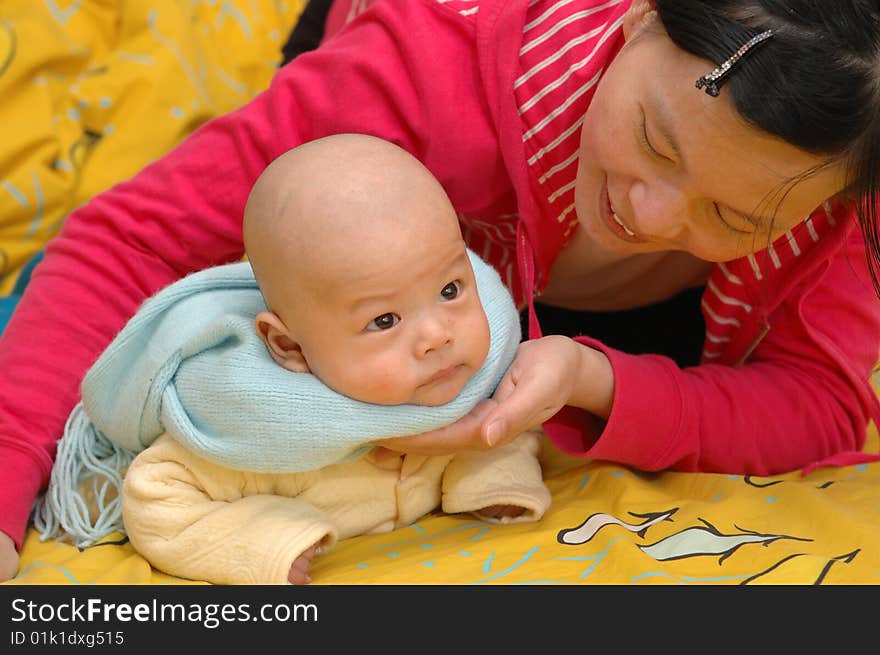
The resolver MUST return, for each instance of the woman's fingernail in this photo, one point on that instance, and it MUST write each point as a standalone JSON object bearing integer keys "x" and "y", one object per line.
{"x": 494, "y": 432}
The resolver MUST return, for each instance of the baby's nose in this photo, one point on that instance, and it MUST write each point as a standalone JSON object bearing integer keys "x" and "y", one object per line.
{"x": 436, "y": 334}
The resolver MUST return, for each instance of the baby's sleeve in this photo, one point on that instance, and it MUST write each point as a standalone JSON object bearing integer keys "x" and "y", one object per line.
{"x": 191, "y": 519}
{"x": 505, "y": 475}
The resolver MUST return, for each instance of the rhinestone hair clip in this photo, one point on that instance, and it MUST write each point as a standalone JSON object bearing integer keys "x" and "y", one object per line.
{"x": 713, "y": 80}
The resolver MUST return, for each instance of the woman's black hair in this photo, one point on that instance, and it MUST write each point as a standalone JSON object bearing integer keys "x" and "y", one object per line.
{"x": 815, "y": 83}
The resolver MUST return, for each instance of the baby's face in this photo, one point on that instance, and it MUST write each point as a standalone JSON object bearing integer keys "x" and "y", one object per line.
{"x": 401, "y": 325}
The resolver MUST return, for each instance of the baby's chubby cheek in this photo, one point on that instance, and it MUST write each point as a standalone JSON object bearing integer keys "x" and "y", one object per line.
{"x": 380, "y": 383}
{"x": 479, "y": 338}
{"x": 384, "y": 385}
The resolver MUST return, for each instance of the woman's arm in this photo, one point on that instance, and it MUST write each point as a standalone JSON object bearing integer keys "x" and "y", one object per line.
{"x": 803, "y": 396}
{"x": 183, "y": 213}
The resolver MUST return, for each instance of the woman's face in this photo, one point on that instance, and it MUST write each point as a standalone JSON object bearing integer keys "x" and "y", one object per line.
{"x": 678, "y": 168}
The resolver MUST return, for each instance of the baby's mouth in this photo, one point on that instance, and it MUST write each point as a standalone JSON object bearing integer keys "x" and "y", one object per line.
{"x": 444, "y": 374}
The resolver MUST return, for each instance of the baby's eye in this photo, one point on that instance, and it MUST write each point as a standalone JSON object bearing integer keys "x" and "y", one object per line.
{"x": 451, "y": 291}
{"x": 383, "y": 322}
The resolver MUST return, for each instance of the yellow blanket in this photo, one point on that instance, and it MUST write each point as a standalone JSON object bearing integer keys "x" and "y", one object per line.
{"x": 607, "y": 525}
{"x": 94, "y": 89}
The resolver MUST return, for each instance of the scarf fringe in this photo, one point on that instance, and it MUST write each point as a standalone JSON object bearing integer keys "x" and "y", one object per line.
{"x": 82, "y": 503}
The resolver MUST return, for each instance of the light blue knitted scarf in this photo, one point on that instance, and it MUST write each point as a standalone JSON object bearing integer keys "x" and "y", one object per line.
{"x": 190, "y": 363}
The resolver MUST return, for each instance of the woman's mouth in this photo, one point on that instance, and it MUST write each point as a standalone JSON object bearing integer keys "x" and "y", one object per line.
{"x": 620, "y": 223}
{"x": 614, "y": 222}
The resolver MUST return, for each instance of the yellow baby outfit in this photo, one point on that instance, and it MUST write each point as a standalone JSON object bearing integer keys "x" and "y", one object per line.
{"x": 195, "y": 519}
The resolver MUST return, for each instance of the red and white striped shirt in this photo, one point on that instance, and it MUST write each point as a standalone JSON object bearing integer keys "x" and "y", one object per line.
{"x": 566, "y": 47}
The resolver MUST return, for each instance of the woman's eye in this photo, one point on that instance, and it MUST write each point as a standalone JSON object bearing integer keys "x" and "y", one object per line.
{"x": 642, "y": 134}
{"x": 383, "y": 322}
{"x": 727, "y": 225}
{"x": 641, "y": 130}
{"x": 451, "y": 291}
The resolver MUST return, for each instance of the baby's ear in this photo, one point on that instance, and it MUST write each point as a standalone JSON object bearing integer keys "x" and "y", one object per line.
{"x": 284, "y": 350}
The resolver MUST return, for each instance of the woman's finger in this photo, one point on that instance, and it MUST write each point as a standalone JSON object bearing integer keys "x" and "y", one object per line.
{"x": 463, "y": 434}
{"x": 523, "y": 408}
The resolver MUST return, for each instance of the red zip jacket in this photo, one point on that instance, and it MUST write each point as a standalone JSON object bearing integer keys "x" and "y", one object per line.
{"x": 492, "y": 108}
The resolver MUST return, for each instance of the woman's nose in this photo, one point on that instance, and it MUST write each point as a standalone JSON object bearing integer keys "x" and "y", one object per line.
{"x": 659, "y": 209}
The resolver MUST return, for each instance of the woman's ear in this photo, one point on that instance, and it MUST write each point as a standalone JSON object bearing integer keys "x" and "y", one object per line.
{"x": 284, "y": 350}
{"x": 639, "y": 14}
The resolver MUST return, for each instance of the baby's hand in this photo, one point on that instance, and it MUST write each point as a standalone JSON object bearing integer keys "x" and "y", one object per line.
{"x": 299, "y": 570}
{"x": 499, "y": 512}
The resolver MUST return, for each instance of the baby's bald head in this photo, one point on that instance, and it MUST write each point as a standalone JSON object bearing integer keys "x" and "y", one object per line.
{"x": 361, "y": 261}
{"x": 320, "y": 208}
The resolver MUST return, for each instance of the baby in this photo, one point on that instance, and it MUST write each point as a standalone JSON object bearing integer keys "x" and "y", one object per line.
{"x": 360, "y": 259}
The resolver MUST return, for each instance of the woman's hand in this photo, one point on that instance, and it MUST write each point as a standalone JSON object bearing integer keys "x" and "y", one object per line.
{"x": 546, "y": 374}
{"x": 8, "y": 558}
{"x": 465, "y": 434}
